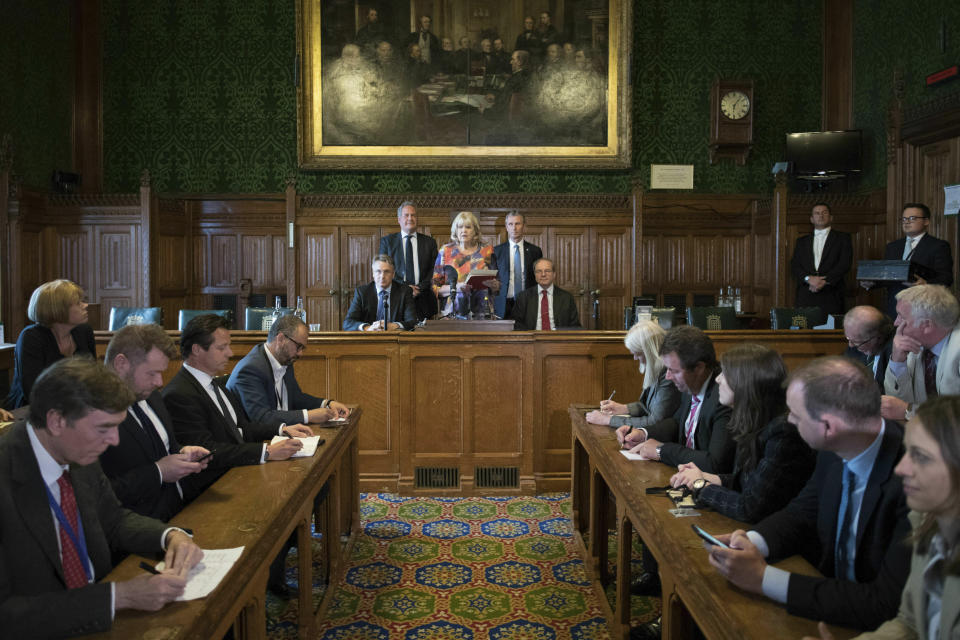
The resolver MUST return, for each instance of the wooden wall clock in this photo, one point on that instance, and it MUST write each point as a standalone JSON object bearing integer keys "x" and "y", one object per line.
{"x": 731, "y": 120}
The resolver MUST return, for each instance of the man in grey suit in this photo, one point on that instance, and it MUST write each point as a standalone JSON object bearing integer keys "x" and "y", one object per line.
{"x": 560, "y": 312}
{"x": 925, "y": 358}
{"x": 414, "y": 255}
{"x": 514, "y": 260}
{"x": 383, "y": 296}
{"x": 59, "y": 519}
{"x": 265, "y": 382}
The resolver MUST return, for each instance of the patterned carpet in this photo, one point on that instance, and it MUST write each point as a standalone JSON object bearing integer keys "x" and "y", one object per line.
{"x": 460, "y": 569}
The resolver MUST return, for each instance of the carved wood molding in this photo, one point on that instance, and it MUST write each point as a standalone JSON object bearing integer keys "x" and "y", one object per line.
{"x": 467, "y": 201}
{"x": 95, "y": 200}
{"x": 932, "y": 121}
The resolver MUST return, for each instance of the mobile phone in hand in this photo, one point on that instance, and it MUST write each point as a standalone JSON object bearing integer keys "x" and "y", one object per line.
{"x": 707, "y": 537}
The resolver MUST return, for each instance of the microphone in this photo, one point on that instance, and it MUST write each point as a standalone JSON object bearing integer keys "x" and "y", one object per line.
{"x": 386, "y": 313}
{"x": 450, "y": 277}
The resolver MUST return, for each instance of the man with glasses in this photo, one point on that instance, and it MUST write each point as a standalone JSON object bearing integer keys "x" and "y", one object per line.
{"x": 869, "y": 334}
{"x": 931, "y": 254}
{"x": 267, "y": 387}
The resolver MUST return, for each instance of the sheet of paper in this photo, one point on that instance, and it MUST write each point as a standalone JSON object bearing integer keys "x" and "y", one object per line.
{"x": 207, "y": 574}
{"x": 632, "y": 456}
{"x": 337, "y": 420}
{"x": 309, "y": 445}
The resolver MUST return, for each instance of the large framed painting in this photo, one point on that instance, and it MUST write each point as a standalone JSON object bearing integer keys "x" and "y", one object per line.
{"x": 460, "y": 84}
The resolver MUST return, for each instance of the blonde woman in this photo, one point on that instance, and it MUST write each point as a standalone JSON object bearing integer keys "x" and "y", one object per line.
{"x": 465, "y": 252}
{"x": 59, "y": 311}
{"x": 660, "y": 397}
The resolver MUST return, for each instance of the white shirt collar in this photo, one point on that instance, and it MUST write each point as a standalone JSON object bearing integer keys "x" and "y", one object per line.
{"x": 516, "y": 244}
{"x": 412, "y": 236}
{"x": 549, "y": 290}
{"x": 50, "y": 469}
{"x": 202, "y": 377}
{"x": 821, "y": 232}
{"x": 915, "y": 239}
{"x": 278, "y": 369}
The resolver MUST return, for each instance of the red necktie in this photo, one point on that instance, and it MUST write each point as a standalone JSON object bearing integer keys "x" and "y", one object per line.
{"x": 545, "y": 312}
{"x": 692, "y": 420}
{"x": 930, "y": 372}
{"x": 73, "y": 571}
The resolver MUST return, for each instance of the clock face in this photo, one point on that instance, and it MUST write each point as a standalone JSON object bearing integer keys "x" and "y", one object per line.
{"x": 735, "y": 105}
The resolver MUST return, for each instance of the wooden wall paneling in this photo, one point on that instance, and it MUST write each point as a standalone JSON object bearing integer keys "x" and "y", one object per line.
{"x": 498, "y": 387}
{"x": 611, "y": 281}
{"x": 318, "y": 261}
{"x": 938, "y": 164}
{"x": 572, "y": 254}
{"x": 837, "y": 99}
{"x": 75, "y": 257}
{"x": 358, "y": 245}
{"x": 222, "y": 261}
{"x": 87, "y": 126}
{"x": 116, "y": 281}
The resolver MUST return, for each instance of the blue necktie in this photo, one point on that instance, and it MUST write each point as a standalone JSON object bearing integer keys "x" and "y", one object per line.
{"x": 380, "y": 307}
{"x": 843, "y": 569}
{"x": 517, "y": 271}
{"x": 409, "y": 274}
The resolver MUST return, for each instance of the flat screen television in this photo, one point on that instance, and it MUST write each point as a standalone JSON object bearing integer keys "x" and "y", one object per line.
{"x": 824, "y": 154}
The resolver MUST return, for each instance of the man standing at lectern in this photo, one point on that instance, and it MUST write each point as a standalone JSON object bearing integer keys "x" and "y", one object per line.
{"x": 921, "y": 248}
{"x": 514, "y": 260}
{"x": 414, "y": 254}
{"x": 820, "y": 262}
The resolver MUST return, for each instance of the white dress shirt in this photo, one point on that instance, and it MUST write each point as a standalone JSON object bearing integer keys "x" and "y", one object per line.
{"x": 279, "y": 371}
{"x": 819, "y": 240}
{"x": 515, "y": 270}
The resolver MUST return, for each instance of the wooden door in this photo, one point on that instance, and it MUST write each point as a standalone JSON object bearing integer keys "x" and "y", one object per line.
{"x": 938, "y": 164}
{"x": 572, "y": 255}
{"x": 319, "y": 265}
{"x": 610, "y": 276}
{"x": 358, "y": 245}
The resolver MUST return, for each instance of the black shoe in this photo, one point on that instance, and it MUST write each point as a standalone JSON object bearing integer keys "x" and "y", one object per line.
{"x": 648, "y": 631}
{"x": 646, "y": 584}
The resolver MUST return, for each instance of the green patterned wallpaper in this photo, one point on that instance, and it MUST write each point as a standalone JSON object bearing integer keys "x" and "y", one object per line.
{"x": 913, "y": 48}
{"x": 201, "y": 93}
{"x": 36, "y": 73}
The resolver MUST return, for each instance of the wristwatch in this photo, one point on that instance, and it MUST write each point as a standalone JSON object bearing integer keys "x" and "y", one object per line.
{"x": 266, "y": 453}
{"x": 806, "y": 278}
{"x": 659, "y": 449}
{"x": 698, "y": 486}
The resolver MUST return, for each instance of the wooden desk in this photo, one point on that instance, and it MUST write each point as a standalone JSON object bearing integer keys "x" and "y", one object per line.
{"x": 691, "y": 587}
{"x": 258, "y": 507}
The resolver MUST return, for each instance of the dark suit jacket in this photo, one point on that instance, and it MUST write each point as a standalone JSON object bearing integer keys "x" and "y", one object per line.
{"x": 834, "y": 265}
{"x": 501, "y": 255}
{"x": 808, "y": 525}
{"x": 880, "y": 373}
{"x": 714, "y": 449}
{"x": 363, "y": 307}
{"x": 414, "y": 38}
{"x": 34, "y": 599}
{"x": 392, "y": 245}
{"x": 36, "y": 350}
{"x": 198, "y": 421}
{"x": 252, "y": 382}
{"x": 132, "y": 471}
{"x": 930, "y": 252}
{"x": 527, "y": 306}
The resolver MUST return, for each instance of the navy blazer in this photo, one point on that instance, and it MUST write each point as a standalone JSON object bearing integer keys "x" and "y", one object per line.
{"x": 501, "y": 256}
{"x": 252, "y": 381}
{"x": 880, "y": 373}
{"x": 808, "y": 526}
{"x": 834, "y": 264}
{"x": 526, "y": 308}
{"x": 198, "y": 421}
{"x": 363, "y": 307}
{"x": 34, "y": 599}
{"x": 36, "y": 350}
{"x": 132, "y": 470}
{"x": 713, "y": 448}
{"x": 392, "y": 245}
{"x": 930, "y": 252}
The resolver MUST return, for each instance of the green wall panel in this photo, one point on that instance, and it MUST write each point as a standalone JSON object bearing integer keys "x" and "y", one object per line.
{"x": 201, "y": 94}
{"x": 36, "y": 73}
{"x": 898, "y": 36}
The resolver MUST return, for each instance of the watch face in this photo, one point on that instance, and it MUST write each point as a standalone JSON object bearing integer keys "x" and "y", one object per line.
{"x": 735, "y": 105}
{"x": 699, "y": 483}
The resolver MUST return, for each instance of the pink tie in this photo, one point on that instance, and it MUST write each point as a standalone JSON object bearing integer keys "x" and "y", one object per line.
{"x": 73, "y": 571}
{"x": 692, "y": 420}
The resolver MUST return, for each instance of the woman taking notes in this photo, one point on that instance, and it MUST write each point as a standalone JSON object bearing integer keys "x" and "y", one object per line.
{"x": 772, "y": 461}
{"x": 660, "y": 397}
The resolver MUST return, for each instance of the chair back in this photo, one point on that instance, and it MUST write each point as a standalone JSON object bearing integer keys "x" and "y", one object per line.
{"x": 260, "y": 318}
{"x": 186, "y": 315}
{"x": 122, "y": 316}
{"x": 802, "y": 317}
{"x": 712, "y": 318}
{"x": 664, "y": 316}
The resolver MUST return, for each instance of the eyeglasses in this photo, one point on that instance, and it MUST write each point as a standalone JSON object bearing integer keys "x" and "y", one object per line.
{"x": 857, "y": 345}
{"x": 912, "y": 218}
{"x": 300, "y": 347}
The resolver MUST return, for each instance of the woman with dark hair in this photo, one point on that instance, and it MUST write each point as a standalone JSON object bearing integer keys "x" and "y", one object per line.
{"x": 930, "y": 470}
{"x": 59, "y": 311}
{"x": 772, "y": 461}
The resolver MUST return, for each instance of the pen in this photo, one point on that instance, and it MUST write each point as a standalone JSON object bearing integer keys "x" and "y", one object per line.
{"x": 149, "y": 569}
{"x": 611, "y": 395}
{"x": 321, "y": 441}
{"x": 287, "y": 433}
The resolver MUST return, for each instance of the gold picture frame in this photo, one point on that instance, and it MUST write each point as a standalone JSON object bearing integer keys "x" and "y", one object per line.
{"x": 382, "y": 102}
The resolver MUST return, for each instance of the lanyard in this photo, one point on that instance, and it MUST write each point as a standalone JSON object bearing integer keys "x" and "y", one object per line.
{"x": 79, "y": 542}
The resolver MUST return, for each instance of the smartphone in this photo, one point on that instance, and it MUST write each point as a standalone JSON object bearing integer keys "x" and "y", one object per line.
{"x": 202, "y": 458}
{"x": 707, "y": 537}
